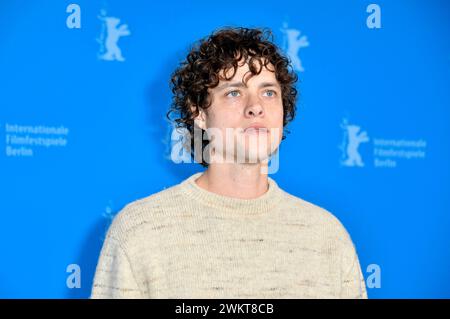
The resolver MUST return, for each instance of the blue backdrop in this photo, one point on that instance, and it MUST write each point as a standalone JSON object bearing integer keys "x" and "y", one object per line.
{"x": 84, "y": 93}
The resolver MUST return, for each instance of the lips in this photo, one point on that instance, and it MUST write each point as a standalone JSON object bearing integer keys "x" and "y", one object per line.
{"x": 256, "y": 128}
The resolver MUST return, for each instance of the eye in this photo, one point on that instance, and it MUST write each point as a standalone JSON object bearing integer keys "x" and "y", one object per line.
{"x": 271, "y": 93}
{"x": 233, "y": 93}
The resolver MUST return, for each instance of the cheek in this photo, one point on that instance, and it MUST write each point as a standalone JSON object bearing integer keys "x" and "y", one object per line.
{"x": 276, "y": 124}
{"x": 276, "y": 116}
{"x": 228, "y": 119}
{"x": 214, "y": 118}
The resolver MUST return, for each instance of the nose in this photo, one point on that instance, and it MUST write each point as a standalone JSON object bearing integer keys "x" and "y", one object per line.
{"x": 254, "y": 110}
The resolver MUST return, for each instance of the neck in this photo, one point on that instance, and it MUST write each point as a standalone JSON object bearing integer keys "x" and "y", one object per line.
{"x": 243, "y": 181}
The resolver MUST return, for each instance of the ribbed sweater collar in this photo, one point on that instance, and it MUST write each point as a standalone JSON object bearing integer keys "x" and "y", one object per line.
{"x": 255, "y": 206}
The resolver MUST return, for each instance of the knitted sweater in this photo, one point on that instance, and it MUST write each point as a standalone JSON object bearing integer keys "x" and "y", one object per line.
{"x": 188, "y": 242}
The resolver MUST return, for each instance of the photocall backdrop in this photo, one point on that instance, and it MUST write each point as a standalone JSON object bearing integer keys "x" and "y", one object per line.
{"x": 84, "y": 93}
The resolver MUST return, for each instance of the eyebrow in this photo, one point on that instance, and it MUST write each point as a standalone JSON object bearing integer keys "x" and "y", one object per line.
{"x": 240, "y": 84}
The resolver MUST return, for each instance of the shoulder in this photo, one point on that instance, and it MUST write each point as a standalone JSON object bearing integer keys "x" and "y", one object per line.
{"x": 141, "y": 215}
{"x": 327, "y": 230}
{"x": 316, "y": 217}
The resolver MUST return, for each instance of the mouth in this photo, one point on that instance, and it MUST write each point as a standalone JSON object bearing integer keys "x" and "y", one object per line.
{"x": 256, "y": 130}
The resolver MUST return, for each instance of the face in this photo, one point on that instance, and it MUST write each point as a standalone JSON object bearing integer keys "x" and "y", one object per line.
{"x": 237, "y": 104}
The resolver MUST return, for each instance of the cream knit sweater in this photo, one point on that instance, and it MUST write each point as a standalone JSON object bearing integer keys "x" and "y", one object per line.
{"x": 187, "y": 242}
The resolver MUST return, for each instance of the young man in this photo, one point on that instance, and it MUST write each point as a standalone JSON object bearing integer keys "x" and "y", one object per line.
{"x": 231, "y": 231}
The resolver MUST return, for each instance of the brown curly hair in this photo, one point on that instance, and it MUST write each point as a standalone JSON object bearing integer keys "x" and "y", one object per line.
{"x": 221, "y": 51}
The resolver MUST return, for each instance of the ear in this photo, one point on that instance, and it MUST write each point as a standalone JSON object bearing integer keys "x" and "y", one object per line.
{"x": 200, "y": 119}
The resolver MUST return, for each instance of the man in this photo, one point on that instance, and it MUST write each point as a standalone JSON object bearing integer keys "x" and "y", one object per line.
{"x": 231, "y": 231}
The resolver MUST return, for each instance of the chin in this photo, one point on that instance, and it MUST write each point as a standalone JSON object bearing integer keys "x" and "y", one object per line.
{"x": 253, "y": 156}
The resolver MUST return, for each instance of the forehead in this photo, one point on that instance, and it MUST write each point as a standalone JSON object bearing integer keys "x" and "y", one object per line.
{"x": 244, "y": 74}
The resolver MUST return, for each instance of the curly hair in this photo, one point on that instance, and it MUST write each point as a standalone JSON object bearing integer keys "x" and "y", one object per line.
{"x": 221, "y": 51}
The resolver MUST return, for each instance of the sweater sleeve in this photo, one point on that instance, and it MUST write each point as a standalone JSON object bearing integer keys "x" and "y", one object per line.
{"x": 352, "y": 280}
{"x": 114, "y": 276}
